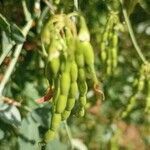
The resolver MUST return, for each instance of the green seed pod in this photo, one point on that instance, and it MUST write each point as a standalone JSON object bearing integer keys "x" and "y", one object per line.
{"x": 53, "y": 56}
{"x": 114, "y": 49}
{"x": 81, "y": 112}
{"x": 87, "y": 52}
{"x": 71, "y": 44}
{"x": 108, "y": 29}
{"x": 115, "y": 39}
{"x": 92, "y": 73}
{"x": 109, "y": 55}
{"x": 54, "y": 66}
{"x": 69, "y": 36}
{"x": 70, "y": 104}
{"x": 74, "y": 71}
{"x": 147, "y": 108}
{"x": 141, "y": 83}
{"x": 79, "y": 60}
{"x": 105, "y": 36}
{"x": 84, "y": 34}
{"x": 55, "y": 121}
{"x": 79, "y": 56}
{"x": 82, "y": 100}
{"x": 103, "y": 51}
{"x": 67, "y": 66}
{"x": 114, "y": 57}
{"x": 46, "y": 33}
{"x": 130, "y": 106}
{"x": 65, "y": 83}
{"x": 63, "y": 63}
{"x": 73, "y": 90}
{"x": 82, "y": 88}
{"x": 49, "y": 75}
{"x": 105, "y": 40}
{"x": 81, "y": 76}
{"x": 61, "y": 104}
{"x": 103, "y": 46}
{"x": 49, "y": 135}
{"x": 54, "y": 47}
{"x": 65, "y": 114}
{"x": 56, "y": 90}
{"x": 109, "y": 67}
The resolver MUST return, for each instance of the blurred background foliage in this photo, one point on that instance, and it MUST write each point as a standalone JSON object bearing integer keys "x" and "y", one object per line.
{"x": 22, "y": 124}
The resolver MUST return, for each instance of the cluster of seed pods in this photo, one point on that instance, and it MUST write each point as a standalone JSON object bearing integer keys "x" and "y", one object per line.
{"x": 70, "y": 58}
{"x": 142, "y": 87}
{"x": 109, "y": 38}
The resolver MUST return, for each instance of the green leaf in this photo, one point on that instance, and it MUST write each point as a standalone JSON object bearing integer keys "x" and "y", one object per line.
{"x": 2, "y": 134}
{"x": 6, "y": 42}
{"x": 16, "y": 34}
{"x": 10, "y": 114}
{"x": 30, "y": 92}
{"x": 42, "y": 115}
{"x": 11, "y": 30}
{"x": 4, "y": 24}
{"x": 30, "y": 133}
{"x": 56, "y": 145}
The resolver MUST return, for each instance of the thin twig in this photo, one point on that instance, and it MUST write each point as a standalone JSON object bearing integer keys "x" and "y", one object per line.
{"x": 12, "y": 102}
{"x": 69, "y": 134}
{"x": 14, "y": 59}
{"x": 134, "y": 41}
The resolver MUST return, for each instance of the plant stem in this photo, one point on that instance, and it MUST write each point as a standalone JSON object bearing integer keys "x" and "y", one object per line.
{"x": 14, "y": 59}
{"x": 69, "y": 134}
{"x": 76, "y": 5}
{"x": 134, "y": 41}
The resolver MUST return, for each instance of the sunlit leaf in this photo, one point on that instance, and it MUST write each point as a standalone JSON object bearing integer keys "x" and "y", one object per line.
{"x": 16, "y": 34}
{"x": 5, "y": 41}
{"x": 30, "y": 133}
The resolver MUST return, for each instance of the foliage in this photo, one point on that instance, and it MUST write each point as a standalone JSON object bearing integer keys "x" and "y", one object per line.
{"x": 118, "y": 122}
